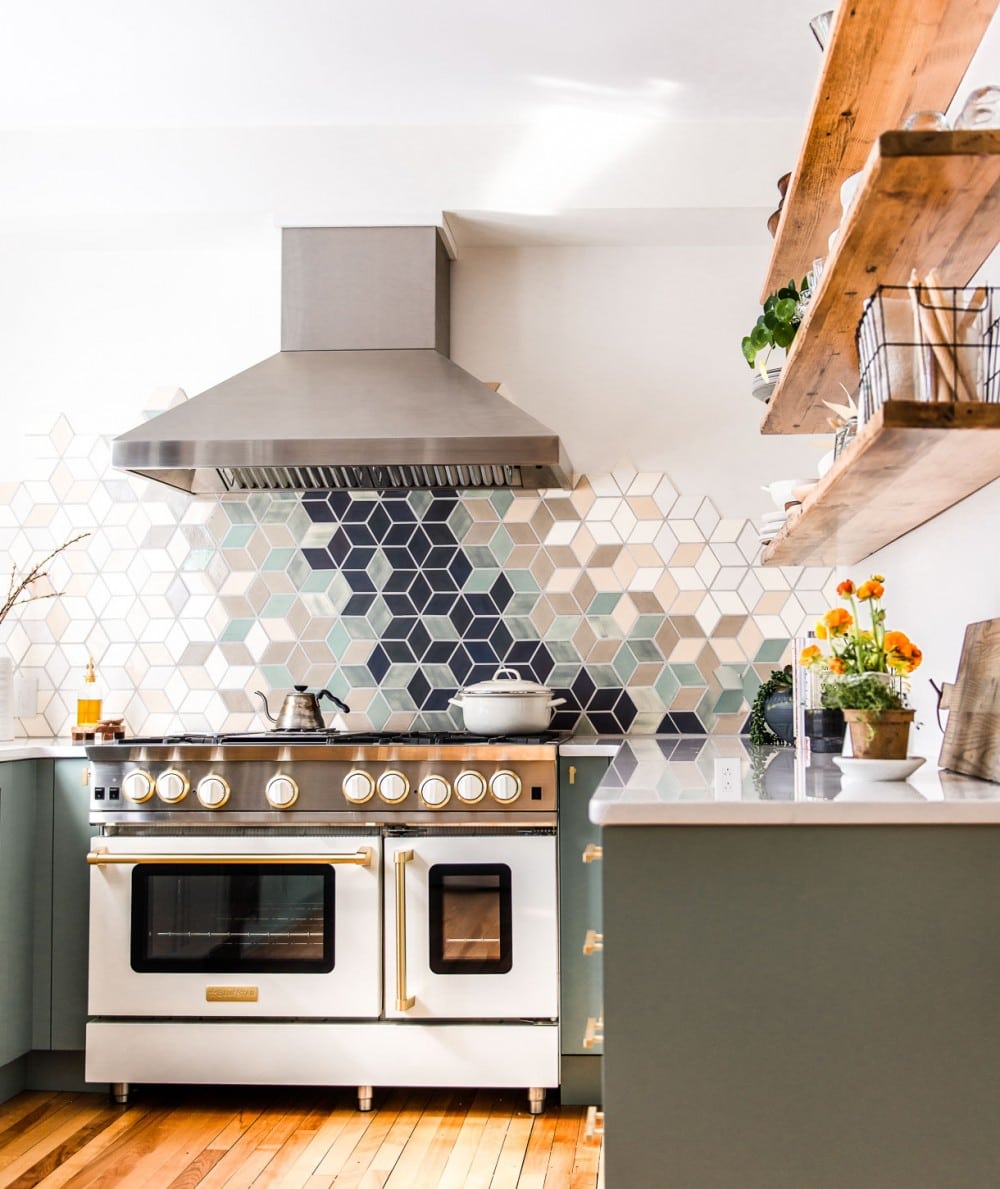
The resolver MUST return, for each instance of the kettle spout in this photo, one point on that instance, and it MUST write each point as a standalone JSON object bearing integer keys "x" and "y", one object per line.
{"x": 325, "y": 693}
{"x": 263, "y": 702}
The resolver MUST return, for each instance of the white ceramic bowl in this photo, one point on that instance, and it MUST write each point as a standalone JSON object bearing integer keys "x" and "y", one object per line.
{"x": 780, "y": 490}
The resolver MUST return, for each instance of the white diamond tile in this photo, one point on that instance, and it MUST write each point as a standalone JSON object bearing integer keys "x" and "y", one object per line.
{"x": 708, "y": 615}
{"x": 604, "y": 533}
{"x": 645, "y": 483}
{"x": 707, "y": 517}
{"x": 604, "y": 486}
{"x": 707, "y": 566}
{"x": 624, "y": 520}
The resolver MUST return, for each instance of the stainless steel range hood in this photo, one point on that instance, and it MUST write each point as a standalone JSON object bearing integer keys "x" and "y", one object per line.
{"x": 362, "y": 394}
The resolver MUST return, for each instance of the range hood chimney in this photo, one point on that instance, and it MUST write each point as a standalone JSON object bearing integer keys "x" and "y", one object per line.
{"x": 362, "y": 395}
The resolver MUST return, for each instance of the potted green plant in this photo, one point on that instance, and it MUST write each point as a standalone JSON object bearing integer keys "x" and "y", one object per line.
{"x": 863, "y": 672}
{"x": 776, "y": 326}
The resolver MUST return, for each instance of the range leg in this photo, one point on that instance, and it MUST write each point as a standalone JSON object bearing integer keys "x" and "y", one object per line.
{"x": 119, "y": 1092}
{"x": 536, "y": 1099}
{"x": 365, "y": 1098}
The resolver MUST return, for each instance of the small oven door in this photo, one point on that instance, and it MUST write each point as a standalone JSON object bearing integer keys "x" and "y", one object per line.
{"x": 236, "y": 925}
{"x": 471, "y": 926}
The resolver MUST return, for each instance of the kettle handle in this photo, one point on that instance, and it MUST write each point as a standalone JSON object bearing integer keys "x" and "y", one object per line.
{"x": 263, "y": 701}
{"x": 325, "y": 693}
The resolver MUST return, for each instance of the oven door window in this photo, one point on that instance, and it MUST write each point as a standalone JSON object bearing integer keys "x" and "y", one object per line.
{"x": 232, "y": 918}
{"x": 470, "y": 918}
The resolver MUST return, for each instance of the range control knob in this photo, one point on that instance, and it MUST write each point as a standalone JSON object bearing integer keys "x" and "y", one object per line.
{"x": 358, "y": 787}
{"x": 470, "y": 786}
{"x": 172, "y": 786}
{"x": 137, "y": 786}
{"x": 393, "y": 787}
{"x": 505, "y": 786}
{"x": 281, "y": 791}
{"x": 434, "y": 791}
{"x": 213, "y": 791}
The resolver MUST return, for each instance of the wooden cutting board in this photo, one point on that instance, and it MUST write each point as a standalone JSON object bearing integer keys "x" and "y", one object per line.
{"x": 972, "y": 737}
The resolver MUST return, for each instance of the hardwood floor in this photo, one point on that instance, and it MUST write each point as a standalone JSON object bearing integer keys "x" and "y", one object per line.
{"x": 181, "y": 1137}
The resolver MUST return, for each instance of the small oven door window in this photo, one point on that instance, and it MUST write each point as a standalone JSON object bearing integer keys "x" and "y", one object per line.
{"x": 470, "y": 918}
{"x": 233, "y": 918}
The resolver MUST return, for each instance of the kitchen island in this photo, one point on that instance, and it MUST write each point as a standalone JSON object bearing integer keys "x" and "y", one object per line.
{"x": 801, "y": 976}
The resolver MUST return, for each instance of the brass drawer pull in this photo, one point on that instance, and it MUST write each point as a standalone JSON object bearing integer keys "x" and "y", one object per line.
{"x": 594, "y": 1033}
{"x": 594, "y": 1128}
{"x": 593, "y": 853}
{"x": 101, "y": 857}
{"x": 593, "y": 943}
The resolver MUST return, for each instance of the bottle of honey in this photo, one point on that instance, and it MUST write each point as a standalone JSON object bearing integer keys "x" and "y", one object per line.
{"x": 88, "y": 703}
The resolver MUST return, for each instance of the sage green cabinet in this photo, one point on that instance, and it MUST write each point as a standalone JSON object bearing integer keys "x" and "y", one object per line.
{"x": 581, "y": 989}
{"x": 17, "y": 829}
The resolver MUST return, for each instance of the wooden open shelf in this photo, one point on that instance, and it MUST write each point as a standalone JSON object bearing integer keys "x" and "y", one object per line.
{"x": 910, "y": 462}
{"x": 927, "y": 200}
{"x": 885, "y": 59}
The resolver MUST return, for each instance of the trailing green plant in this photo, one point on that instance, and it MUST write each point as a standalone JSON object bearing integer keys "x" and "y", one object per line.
{"x": 776, "y": 326}
{"x": 865, "y": 691}
{"x": 761, "y": 734}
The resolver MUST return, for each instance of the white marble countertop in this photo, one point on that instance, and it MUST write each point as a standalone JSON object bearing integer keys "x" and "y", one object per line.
{"x": 41, "y": 749}
{"x": 679, "y": 780}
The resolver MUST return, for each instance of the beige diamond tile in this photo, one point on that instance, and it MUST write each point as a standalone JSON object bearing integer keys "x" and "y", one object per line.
{"x": 584, "y": 638}
{"x": 521, "y": 557}
{"x": 560, "y": 507}
{"x": 604, "y": 651}
{"x": 666, "y": 590}
{"x": 562, "y": 581}
{"x": 522, "y": 510}
{"x": 542, "y": 569}
{"x": 727, "y": 647}
{"x": 582, "y": 544}
{"x": 521, "y": 533}
{"x": 562, "y": 557}
{"x": 542, "y": 616}
{"x": 583, "y": 497}
{"x": 604, "y": 556}
{"x": 625, "y": 614}
{"x": 624, "y": 568}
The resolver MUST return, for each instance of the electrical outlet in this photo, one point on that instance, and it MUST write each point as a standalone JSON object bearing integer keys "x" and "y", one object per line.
{"x": 727, "y": 779}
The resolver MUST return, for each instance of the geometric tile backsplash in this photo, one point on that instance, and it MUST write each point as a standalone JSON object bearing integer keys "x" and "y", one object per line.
{"x": 641, "y": 606}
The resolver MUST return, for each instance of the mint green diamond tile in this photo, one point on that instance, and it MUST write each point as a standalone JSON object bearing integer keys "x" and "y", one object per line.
{"x": 481, "y": 557}
{"x": 238, "y": 536}
{"x": 338, "y": 640}
{"x": 339, "y": 591}
{"x": 398, "y": 699}
{"x": 316, "y": 536}
{"x": 520, "y": 627}
{"x": 646, "y": 627}
{"x": 280, "y": 509}
{"x": 236, "y": 631}
{"x": 645, "y": 699}
{"x": 440, "y": 627}
{"x": 705, "y": 711}
{"x": 459, "y": 521}
{"x": 277, "y": 676}
{"x": 624, "y": 663}
{"x": 299, "y": 570}
{"x": 238, "y": 512}
{"x": 439, "y": 676}
{"x": 771, "y": 650}
{"x": 751, "y": 684}
{"x": 501, "y": 501}
{"x": 604, "y": 627}
{"x": 688, "y": 674}
{"x": 667, "y": 685}
{"x": 563, "y": 651}
{"x": 278, "y": 559}
{"x": 603, "y": 676}
{"x": 358, "y": 628}
{"x": 277, "y": 606}
{"x": 378, "y": 712}
{"x": 520, "y": 604}
{"x": 730, "y": 701}
{"x": 438, "y": 720}
{"x": 604, "y": 603}
{"x": 258, "y": 502}
{"x": 501, "y": 544}
{"x": 358, "y": 677}
{"x": 562, "y": 675}
{"x": 339, "y": 686}
{"x": 522, "y": 581}
{"x": 419, "y": 501}
{"x": 480, "y": 581}
{"x": 379, "y": 569}
{"x": 645, "y": 650}
{"x": 315, "y": 582}
{"x": 563, "y": 627}
{"x": 730, "y": 677}
{"x": 399, "y": 676}
{"x": 197, "y": 560}
{"x": 379, "y": 616}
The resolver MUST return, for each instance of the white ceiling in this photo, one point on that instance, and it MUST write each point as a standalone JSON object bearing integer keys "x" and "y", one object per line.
{"x": 252, "y": 63}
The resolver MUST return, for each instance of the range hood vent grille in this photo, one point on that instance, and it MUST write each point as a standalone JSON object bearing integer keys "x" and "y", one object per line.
{"x": 368, "y": 478}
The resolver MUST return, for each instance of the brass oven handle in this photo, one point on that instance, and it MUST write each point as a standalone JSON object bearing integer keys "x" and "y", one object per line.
{"x": 593, "y": 943}
{"x": 359, "y": 858}
{"x": 592, "y": 852}
{"x": 594, "y": 1128}
{"x": 594, "y": 1034}
{"x": 403, "y": 1001}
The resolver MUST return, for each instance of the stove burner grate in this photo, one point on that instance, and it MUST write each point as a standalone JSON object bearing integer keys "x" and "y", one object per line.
{"x": 346, "y": 738}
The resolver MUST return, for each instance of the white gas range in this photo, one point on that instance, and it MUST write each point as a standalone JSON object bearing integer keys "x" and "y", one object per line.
{"x": 324, "y": 908}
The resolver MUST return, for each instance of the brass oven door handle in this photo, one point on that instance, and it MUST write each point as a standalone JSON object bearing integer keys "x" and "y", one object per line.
{"x": 594, "y": 1033}
{"x": 403, "y": 1001}
{"x": 362, "y": 857}
{"x": 593, "y": 853}
{"x": 593, "y": 942}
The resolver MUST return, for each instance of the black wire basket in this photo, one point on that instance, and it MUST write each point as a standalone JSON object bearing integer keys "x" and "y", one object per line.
{"x": 928, "y": 344}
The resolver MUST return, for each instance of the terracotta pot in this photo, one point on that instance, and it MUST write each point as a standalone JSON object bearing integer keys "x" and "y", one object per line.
{"x": 879, "y": 734}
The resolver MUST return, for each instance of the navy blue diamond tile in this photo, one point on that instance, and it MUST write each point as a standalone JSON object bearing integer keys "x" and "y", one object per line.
{"x": 379, "y": 522}
{"x": 398, "y": 581}
{"x": 520, "y": 653}
{"x": 418, "y": 545}
{"x": 359, "y": 581}
{"x": 501, "y": 639}
{"x": 318, "y": 510}
{"x": 339, "y": 502}
{"x": 440, "y": 580}
{"x": 440, "y": 534}
{"x": 482, "y": 653}
{"x": 439, "y": 699}
{"x": 439, "y": 557}
{"x": 667, "y": 726}
{"x": 565, "y": 719}
{"x": 480, "y": 603}
{"x": 400, "y": 559}
{"x": 399, "y": 652}
{"x": 419, "y": 688}
{"x": 419, "y": 591}
{"x": 583, "y": 687}
{"x": 356, "y": 511}
{"x": 441, "y": 603}
{"x": 398, "y": 629}
{"x": 319, "y": 559}
{"x": 745, "y": 729}
{"x": 358, "y": 604}
{"x": 482, "y": 673}
{"x": 603, "y": 722}
{"x": 399, "y": 604}
{"x": 481, "y": 627}
{"x": 378, "y": 662}
{"x": 439, "y": 652}
{"x": 398, "y": 534}
{"x": 460, "y": 568}
{"x": 441, "y": 506}
{"x": 419, "y": 640}
{"x": 358, "y": 559}
{"x": 542, "y": 663}
{"x": 603, "y": 699}
{"x": 624, "y": 711}
{"x": 501, "y": 592}
{"x": 339, "y": 546}
{"x": 359, "y": 534}
{"x": 398, "y": 510}
{"x": 460, "y": 615}
{"x": 688, "y": 723}
{"x": 460, "y": 664}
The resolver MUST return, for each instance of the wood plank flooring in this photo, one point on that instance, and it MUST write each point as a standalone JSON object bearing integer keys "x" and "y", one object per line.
{"x": 173, "y": 1137}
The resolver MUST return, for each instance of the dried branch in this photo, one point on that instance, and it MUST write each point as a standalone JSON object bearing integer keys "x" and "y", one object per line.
{"x": 19, "y": 592}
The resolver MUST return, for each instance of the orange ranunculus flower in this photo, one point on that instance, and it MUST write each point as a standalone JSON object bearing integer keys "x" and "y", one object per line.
{"x": 872, "y": 589}
{"x": 821, "y": 632}
{"x": 838, "y": 621}
{"x": 901, "y": 654}
{"x": 837, "y": 665}
{"x": 846, "y": 589}
{"x": 878, "y": 578}
{"x": 811, "y": 655}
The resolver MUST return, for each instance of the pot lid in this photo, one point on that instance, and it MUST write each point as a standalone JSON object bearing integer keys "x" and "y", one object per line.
{"x": 507, "y": 682}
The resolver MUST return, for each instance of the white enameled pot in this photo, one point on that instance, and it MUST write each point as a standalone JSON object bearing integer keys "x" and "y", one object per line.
{"x": 506, "y": 705}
